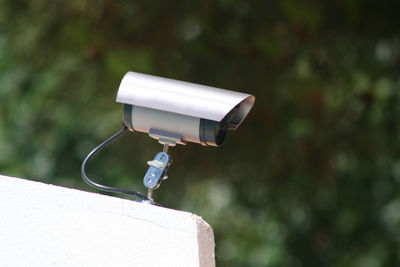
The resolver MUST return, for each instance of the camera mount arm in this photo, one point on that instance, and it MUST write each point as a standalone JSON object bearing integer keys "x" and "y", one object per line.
{"x": 158, "y": 167}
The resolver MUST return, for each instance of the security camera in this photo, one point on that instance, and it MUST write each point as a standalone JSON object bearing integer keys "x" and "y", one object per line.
{"x": 181, "y": 111}
{"x": 173, "y": 112}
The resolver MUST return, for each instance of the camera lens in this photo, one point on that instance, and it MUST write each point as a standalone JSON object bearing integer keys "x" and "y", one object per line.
{"x": 211, "y": 133}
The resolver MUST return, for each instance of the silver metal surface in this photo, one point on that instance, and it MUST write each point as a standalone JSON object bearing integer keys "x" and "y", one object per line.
{"x": 157, "y": 170}
{"x": 150, "y": 195}
{"x": 144, "y": 119}
{"x": 165, "y": 148}
{"x": 184, "y": 98}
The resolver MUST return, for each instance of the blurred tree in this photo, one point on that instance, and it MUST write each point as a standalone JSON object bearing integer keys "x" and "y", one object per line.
{"x": 312, "y": 176}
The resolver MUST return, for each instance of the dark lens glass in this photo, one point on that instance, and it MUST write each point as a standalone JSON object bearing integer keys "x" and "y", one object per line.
{"x": 211, "y": 133}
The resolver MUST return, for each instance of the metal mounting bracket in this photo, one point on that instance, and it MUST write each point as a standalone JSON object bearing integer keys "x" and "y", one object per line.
{"x": 157, "y": 170}
{"x": 158, "y": 167}
{"x": 166, "y": 138}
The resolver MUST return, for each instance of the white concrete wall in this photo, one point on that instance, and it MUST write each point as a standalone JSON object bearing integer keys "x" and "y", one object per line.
{"x": 46, "y": 225}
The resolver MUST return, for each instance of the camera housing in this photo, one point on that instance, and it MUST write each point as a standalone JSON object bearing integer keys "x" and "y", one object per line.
{"x": 173, "y": 112}
{"x": 179, "y": 112}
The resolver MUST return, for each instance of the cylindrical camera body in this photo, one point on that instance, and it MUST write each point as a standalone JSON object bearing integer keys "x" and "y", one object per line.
{"x": 198, "y": 113}
{"x": 191, "y": 129}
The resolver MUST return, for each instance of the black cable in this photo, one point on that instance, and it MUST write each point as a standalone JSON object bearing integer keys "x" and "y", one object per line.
{"x": 103, "y": 187}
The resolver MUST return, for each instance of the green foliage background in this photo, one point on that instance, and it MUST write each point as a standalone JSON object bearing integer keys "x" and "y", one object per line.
{"x": 312, "y": 176}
